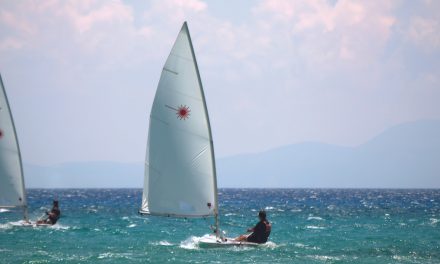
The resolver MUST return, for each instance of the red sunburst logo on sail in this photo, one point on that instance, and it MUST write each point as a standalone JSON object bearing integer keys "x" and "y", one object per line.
{"x": 182, "y": 111}
{"x": 2, "y": 134}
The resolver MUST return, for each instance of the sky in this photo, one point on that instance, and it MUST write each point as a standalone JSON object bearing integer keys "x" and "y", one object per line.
{"x": 81, "y": 75}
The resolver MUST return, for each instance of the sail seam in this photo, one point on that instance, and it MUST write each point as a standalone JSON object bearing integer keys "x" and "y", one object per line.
{"x": 6, "y": 122}
{"x": 178, "y": 128}
{"x": 8, "y": 149}
{"x": 152, "y": 167}
{"x": 181, "y": 57}
{"x": 179, "y": 93}
{"x": 159, "y": 120}
{"x": 165, "y": 69}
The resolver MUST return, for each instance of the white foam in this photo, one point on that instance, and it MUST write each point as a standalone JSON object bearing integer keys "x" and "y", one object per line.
{"x": 325, "y": 258}
{"x": 190, "y": 243}
{"x": 105, "y": 255}
{"x": 269, "y": 208}
{"x": 3, "y": 210}
{"x": 5, "y": 226}
{"x": 133, "y": 225}
{"x": 58, "y": 226}
{"x": 315, "y": 227}
{"x": 165, "y": 243}
{"x": 270, "y": 245}
{"x": 125, "y": 218}
{"x": 314, "y": 217}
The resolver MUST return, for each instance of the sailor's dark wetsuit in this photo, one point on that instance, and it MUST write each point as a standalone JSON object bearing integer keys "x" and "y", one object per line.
{"x": 56, "y": 210}
{"x": 261, "y": 232}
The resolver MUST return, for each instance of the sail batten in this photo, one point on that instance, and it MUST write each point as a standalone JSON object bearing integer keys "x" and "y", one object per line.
{"x": 12, "y": 188}
{"x": 180, "y": 178}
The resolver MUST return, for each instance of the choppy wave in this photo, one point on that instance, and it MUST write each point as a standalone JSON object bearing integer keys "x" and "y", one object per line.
{"x": 308, "y": 225}
{"x": 190, "y": 243}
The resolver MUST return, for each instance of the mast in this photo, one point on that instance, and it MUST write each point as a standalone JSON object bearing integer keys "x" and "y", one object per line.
{"x": 210, "y": 133}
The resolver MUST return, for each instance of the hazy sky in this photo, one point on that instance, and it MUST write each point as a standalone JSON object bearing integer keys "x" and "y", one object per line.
{"x": 81, "y": 75}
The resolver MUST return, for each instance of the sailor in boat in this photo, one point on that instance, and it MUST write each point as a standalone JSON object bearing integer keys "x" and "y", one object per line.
{"x": 260, "y": 232}
{"x": 54, "y": 215}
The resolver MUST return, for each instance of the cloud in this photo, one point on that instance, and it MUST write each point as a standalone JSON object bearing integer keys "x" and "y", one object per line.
{"x": 291, "y": 71}
{"x": 10, "y": 43}
{"x": 425, "y": 33}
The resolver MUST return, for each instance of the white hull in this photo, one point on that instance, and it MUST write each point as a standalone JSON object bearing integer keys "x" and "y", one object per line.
{"x": 27, "y": 224}
{"x": 211, "y": 241}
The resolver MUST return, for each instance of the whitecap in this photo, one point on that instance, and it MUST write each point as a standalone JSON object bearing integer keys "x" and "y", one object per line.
{"x": 269, "y": 208}
{"x": 165, "y": 243}
{"x": 190, "y": 243}
{"x": 58, "y": 226}
{"x": 315, "y": 227}
{"x": 3, "y": 210}
{"x": 434, "y": 220}
{"x": 133, "y": 225}
{"x": 105, "y": 255}
{"x": 296, "y": 210}
{"x": 270, "y": 245}
{"x": 314, "y": 217}
{"x": 324, "y": 257}
{"x": 5, "y": 226}
{"x": 125, "y": 218}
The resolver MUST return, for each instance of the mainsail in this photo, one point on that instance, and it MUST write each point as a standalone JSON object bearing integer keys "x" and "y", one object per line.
{"x": 180, "y": 178}
{"x": 12, "y": 191}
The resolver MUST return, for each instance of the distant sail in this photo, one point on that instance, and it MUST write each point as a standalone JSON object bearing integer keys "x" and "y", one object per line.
{"x": 12, "y": 191}
{"x": 180, "y": 177}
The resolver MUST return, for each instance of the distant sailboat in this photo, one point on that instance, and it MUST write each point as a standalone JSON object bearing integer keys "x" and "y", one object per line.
{"x": 12, "y": 190}
{"x": 180, "y": 176}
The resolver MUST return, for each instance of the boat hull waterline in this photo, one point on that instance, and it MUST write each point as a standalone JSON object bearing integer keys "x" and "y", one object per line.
{"x": 211, "y": 241}
{"x": 23, "y": 223}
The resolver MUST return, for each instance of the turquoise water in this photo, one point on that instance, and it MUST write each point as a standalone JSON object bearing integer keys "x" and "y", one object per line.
{"x": 309, "y": 226}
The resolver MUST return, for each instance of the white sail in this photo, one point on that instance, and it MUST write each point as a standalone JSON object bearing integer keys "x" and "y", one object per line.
{"x": 12, "y": 191}
{"x": 180, "y": 177}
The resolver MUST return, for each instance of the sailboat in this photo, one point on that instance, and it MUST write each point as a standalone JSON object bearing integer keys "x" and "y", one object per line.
{"x": 180, "y": 176}
{"x": 12, "y": 189}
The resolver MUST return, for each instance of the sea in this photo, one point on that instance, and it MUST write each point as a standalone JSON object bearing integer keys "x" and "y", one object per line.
{"x": 308, "y": 226}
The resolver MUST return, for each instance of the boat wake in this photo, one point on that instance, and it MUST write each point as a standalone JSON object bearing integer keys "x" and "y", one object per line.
{"x": 5, "y": 226}
{"x": 190, "y": 243}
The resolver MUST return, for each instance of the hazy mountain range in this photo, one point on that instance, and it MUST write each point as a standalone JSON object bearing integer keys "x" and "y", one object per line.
{"x": 404, "y": 156}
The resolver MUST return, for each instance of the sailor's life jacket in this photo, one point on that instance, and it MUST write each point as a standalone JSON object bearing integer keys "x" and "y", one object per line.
{"x": 268, "y": 229}
{"x": 261, "y": 232}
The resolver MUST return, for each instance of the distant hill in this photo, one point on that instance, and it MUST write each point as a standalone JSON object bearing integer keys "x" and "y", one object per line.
{"x": 405, "y": 156}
